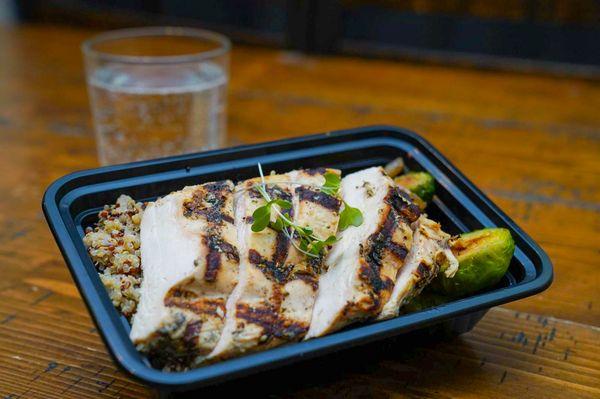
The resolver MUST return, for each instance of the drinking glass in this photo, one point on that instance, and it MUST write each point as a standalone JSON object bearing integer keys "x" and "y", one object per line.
{"x": 157, "y": 91}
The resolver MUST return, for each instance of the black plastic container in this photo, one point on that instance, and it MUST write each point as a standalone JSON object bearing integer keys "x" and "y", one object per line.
{"x": 72, "y": 202}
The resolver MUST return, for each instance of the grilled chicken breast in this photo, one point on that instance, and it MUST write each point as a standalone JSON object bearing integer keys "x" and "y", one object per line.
{"x": 430, "y": 251}
{"x": 214, "y": 289}
{"x": 272, "y": 303}
{"x": 190, "y": 265}
{"x": 363, "y": 264}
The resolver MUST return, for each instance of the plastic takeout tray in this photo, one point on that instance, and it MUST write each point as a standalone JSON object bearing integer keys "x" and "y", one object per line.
{"x": 72, "y": 202}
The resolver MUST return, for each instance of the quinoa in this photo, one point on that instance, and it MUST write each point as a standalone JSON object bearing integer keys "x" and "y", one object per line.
{"x": 114, "y": 246}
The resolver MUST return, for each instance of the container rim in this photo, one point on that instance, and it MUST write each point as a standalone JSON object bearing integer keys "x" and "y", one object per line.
{"x": 223, "y": 43}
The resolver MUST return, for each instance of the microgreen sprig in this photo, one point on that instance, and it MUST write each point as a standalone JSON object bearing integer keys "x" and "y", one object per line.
{"x": 349, "y": 216}
{"x": 309, "y": 244}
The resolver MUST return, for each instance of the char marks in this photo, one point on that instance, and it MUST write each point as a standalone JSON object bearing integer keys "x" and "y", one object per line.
{"x": 370, "y": 268}
{"x": 188, "y": 300}
{"x": 403, "y": 205}
{"x": 325, "y": 200}
{"x": 274, "y": 191}
{"x": 216, "y": 247}
{"x": 282, "y": 247}
{"x": 208, "y": 201}
{"x": 398, "y": 250}
{"x": 381, "y": 242}
{"x": 274, "y": 271}
{"x": 273, "y": 325}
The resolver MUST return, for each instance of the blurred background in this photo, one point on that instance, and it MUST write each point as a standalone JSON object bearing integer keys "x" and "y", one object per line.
{"x": 555, "y": 36}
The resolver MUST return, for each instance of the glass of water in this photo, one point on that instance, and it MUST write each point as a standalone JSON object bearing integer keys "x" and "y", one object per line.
{"x": 156, "y": 92}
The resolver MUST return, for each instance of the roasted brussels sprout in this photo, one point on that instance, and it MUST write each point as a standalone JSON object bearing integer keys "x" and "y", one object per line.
{"x": 483, "y": 257}
{"x": 420, "y": 183}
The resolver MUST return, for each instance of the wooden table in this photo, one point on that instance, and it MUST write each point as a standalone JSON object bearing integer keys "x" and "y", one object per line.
{"x": 531, "y": 143}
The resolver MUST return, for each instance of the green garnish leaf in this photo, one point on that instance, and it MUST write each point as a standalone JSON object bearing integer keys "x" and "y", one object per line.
{"x": 283, "y": 204}
{"x": 277, "y": 225}
{"x": 332, "y": 183}
{"x": 261, "y": 217}
{"x": 307, "y": 230}
{"x": 303, "y": 245}
{"x": 350, "y": 217}
{"x": 317, "y": 246}
{"x": 330, "y": 240}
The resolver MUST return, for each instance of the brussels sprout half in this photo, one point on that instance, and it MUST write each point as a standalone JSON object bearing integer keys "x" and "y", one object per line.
{"x": 483, "y": 257}
{"x": 420, "y": 183}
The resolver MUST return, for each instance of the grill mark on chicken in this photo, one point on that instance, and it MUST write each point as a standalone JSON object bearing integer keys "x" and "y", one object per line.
{"x": 378, "y": 243}
{"x": 325, "y": 200}
{"x": 282, "y": 246}
{"x": 403, "y": 205}
{"x": 273, "y": 190}
{"x": 399, "y": 251}
{"x": 201, "y": 306}
{"x": 213, "y": 263}
{"x": 208, "y": 201}
{"x": 274, "y": 326}
{"x": 270, "y": 320}
{"x": 424, "y": 272}
{"x": 216, "y": 246}
{"x": 274, "y": 271}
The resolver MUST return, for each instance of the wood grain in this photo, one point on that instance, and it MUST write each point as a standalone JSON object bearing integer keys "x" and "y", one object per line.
{"x": 531, "y": 143}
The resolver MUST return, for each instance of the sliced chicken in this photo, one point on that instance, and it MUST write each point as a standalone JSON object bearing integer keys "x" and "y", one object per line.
{"x": 272, "y": 303}
{"x": 190, "y": 265}
{"x": 363, "y": 264}
{"x": 430, "y": 252}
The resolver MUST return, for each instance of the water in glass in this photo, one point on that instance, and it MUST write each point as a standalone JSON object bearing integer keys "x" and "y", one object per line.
{"x": 149, "y": 111}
